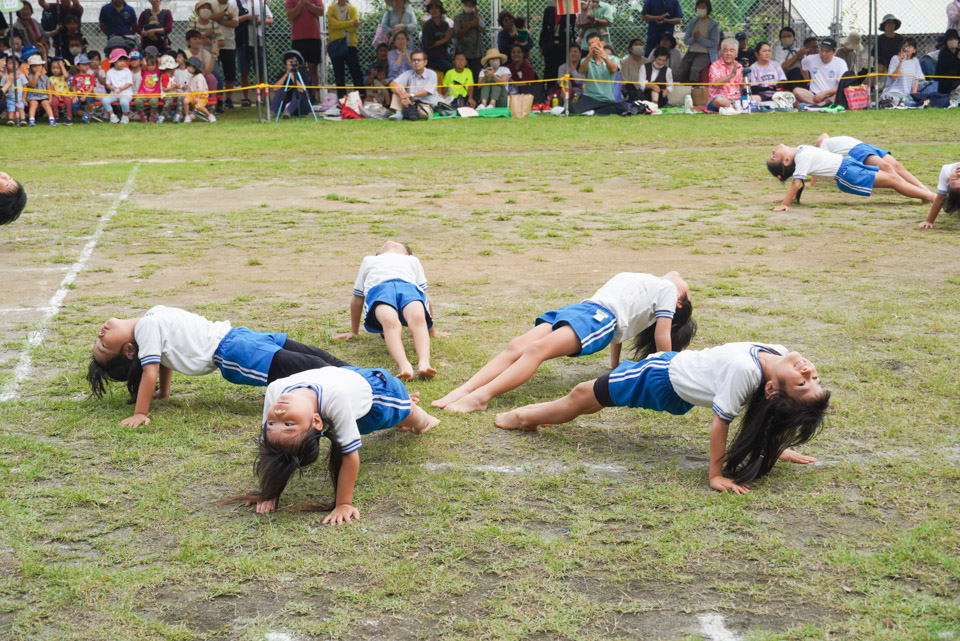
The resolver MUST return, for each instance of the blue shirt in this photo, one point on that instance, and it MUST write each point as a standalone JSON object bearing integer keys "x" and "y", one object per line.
{"x": 657, "y": 8}
{"x": 118, "y": 23}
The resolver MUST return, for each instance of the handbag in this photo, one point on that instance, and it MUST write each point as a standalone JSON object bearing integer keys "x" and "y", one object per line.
{"x": 380, "y": 37}
{"x": 242, "y": 32}
{"x": 857, "y": 97}
{"x": 337, "y": 49}
{"x": 520, "y": 105}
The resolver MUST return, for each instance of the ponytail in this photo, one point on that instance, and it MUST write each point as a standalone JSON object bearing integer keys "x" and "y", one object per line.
{"x": 119, "y": 368}
{"x": 682, "y": 330}
{"x": 783, "y": 173}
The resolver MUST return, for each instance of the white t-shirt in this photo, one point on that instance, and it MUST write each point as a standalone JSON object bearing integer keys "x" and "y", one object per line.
{"x": 823, "y": 77}
{"x": 945, "y": 172}
{"x": 813, "y": 161}
{"x": 182, "y": 76}
{"x": 910, "y": 72}
{"x": 343, "y": 397}
{"x": 723, "y": 377}
{"x": 178, "y": 339}
{"x": 118, "y": 78}
{"x": 389, "y": 266}
{"x": 668, "y": 79}
{"x": 840, "y": 144}
{"x": 766, "y": 75}
{"x": 637, "y": 300}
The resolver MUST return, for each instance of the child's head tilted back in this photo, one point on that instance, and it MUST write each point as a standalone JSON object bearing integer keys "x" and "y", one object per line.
{"x": 682, "y": 326}
{"x": 395, "y": 247}
{"x": 785, "y": 411}
{"x": 782, "y": 164}
{"x": 13, "y": 199}
{"x": 951, "y": 202}
{"x": 114, "y": 358}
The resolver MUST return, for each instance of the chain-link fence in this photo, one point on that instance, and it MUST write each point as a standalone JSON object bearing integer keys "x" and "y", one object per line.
{"x": 760, "y": 19}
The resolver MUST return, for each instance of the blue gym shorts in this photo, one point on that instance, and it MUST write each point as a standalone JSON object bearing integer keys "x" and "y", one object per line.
{"x": 397, "y": 294}
{"x": 391, "y": 402}
{"x": 645, "y": 384}
{"x": 863, "y": 150}
{"x": 593, "y": 324}
{"x": 855, "y": 178}
{"x": 244, "y": 356}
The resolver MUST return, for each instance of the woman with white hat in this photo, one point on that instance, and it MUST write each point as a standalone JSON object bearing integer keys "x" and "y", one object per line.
{"x": 494, "y": 71}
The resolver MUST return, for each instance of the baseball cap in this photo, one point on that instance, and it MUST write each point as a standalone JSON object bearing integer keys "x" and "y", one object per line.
{"x": 135, "y": 55}
{"x": 81, "y": 59}
{"x": 741, "y": 35}
{"x": 829, "y": 43}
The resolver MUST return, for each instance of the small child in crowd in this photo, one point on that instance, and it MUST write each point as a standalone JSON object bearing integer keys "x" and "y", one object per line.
{"x": 198, "y": 96}
{"x": 60, "y": 83}
{"x": 99, "y": 75}
{"x": 169, "y": 85}
{"x": 119, "y": 83}
{"x": 136, "y": 72}
{"x": 378, "y": 78}
{"x": 391, "y": 293}
{"x": 148, "y": 102}
{"x": 461, "y": 79}
{"x": 83, "y": 83}
{"x": 12, "y": 86}
{"x": 37, "y": 97}
{"x": 341, "y": 403}
{"x": 948, "y": 194}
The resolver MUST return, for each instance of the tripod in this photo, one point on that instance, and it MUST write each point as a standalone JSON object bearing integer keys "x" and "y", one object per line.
{"x": 288, "y": 91}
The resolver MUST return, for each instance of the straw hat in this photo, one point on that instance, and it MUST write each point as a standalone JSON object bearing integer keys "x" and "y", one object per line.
{"x": 852, "y": 40}
{"x": 493, "y": 53}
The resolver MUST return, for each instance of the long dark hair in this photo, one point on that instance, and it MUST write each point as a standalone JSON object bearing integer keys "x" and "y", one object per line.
{"x": 768, "y": 427}
{"x": 951, "y": 202}
{"x": 682, "y": 330}
{"x": 275, "y": 465}
{"x": 118, "y": 368}
{"x": 12, "y": 203}
{"x": 783, "y": 173}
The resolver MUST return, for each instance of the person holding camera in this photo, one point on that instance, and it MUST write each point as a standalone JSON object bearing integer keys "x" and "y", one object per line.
{"x": 293, "y": 98}
{"x": 304, "y": 17}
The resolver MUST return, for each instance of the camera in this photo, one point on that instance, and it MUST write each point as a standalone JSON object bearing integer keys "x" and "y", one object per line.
{"x": 294, "y": 62}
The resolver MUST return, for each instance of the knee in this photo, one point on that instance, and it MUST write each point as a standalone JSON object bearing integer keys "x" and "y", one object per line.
{"x": 582, "y": 393}
{"x": 390, "y": 323}
{"x": 414, "y": 313}
{"x": 538, "y": 351}
{"x": 514, "y": 348}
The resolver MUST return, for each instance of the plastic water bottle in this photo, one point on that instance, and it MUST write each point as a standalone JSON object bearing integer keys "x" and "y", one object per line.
{"x": 688, "y": 104}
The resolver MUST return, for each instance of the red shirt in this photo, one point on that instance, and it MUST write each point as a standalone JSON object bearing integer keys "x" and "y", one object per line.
{"x": 83, "y": 82}
{"x": 306, "y": 26}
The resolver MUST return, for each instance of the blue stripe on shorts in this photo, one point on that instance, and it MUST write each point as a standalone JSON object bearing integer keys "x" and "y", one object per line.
{"x": 593, "y": 324}
{"x": 646, "y": 384}
{"x": 244, "y": 356}
{"x": 856, "y": 178}
{"x": 397, "y": 294}
{"x": 391, "y": 401}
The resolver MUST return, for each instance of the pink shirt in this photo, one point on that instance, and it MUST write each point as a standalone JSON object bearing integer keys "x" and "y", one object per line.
{"x": 307, "y": 25}
{"x": 730, "y": 90}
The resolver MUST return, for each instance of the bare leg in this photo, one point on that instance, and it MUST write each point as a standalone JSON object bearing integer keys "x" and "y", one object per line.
{"x": 495, "y": 367}
{"x": 561, "y": 342}
{"x": 415, "y": 315}
{"x": 804, "y": 95}
{"x": 390, "y": 322}
{"x": 894, "y": 181}
{"x": 893, "y": 165}
{"x": 581, "y": 400}
{"x": 418, "y": 421}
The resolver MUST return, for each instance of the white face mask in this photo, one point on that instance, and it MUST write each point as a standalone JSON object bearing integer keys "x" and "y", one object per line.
{"x": 467, "y": 9}
{"x": 495, "y": 63}
{"x": 701, "y": 13}
{"x": 204, "y": 13}
{"x": 657, "y": 65}
{"x": 75, "y": 51}
{"x": 786, "y": 42}
{"x": 637, "y": 51}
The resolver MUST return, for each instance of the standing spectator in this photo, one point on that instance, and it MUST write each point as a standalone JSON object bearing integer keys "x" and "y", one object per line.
{"x": 889, "y": 42}
{"x": 343, "y": 19}
{"x": 600, "y": 64}
{"x": 415, "y": 87}
{"x": 948, "y": 63}
{"x": 824, "y": 72}
{"x": 765, "y": 74}
{"x": 553, "y": 40}
{"x": 72, "y": 40}
{"x": 905, "y": 72}
{"x": 520, "y": 71}
{"x": 304, "y": 17}
{"x": 226, "y": 15}
{"x": 725, "y": 77}
{"x": 62, "y": 13}
{"x": 852, "y": 53}
{"x": 117, "y": 18}
{"x": 470, "y": 29}
{"x": 953, "y": 15}
{"x": 745, "y": 55}
{"x": 661, "y": 17}
{"x": 509, "y": 35}
{"x": 572, "y": 67}
{"x": 594, "y": 18}
{"x": 399, "y": 17}
{"x": 630, "y": 70}
{"x": 701, "y": 37}
{"x": 29, "y": 30}
{"x": 437, "y": 36}
{"x": 154, "y": 27}
{"x": 250, "y": 31}
{"x": 398, "y": 60}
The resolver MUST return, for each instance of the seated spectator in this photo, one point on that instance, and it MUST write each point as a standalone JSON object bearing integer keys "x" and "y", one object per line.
{"x": 702, "y": 37}
{"x": 398, "y": 60}
{"x": 292, "y": 99}
{"x": 745, "y": 55}
{"x": 437, "y": 36}
{"x": 572, "y": 67}
{"x": 381, "y": 59}
{"x": 824, "y": 72}
{"x": 459, "y": 81}
{"x": 853, "y": 53}
{"x": 380, "y": 94}
{"x": 630, "y": 70}
{"x": 725, "y": 77}
{"x": 669, "y": 42}
{"x": 905, "y": 72}
{"x": 889, "y": 43}
{"x": 492, "y": 92}
{"x": 765, "y": 74}
{"x": 657, "y": 71}
{"x": 948, "y": 63}
{"x": 417, "y": 88}
{"x": 788, "y": 55}
{"x": 600, "y": 64}
{"x": 509, "y": 34}
{"x": 520, "y": 70}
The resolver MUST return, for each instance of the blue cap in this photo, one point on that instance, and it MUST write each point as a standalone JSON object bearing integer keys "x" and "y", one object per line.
{"x": 135, "y": 55}
{"x": 81, "y": 59}
{"x": 29, "y": 50}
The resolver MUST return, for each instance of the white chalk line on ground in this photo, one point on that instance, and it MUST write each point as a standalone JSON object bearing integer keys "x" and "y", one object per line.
{"x": 526, "y": 468}
{"x": 52, "y": 308}
{"x": 713, "y": 628}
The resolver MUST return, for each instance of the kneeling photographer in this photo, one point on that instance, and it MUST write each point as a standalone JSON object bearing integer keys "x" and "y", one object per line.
{"x": 291, "y": 98}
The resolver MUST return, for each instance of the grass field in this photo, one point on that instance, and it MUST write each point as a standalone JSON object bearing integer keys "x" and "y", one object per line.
{"x": 604, "y": 528}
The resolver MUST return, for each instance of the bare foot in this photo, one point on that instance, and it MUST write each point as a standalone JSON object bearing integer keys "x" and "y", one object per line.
{"x": 418, "y": 421}
{"x": 406, "y": 373}
{"x": 415, "y": 398}
{"x": 511, "y": 421}
{"x": 426, "y": 372}
{"x": 467, "y": 404}
{"x": 452, "y": 397}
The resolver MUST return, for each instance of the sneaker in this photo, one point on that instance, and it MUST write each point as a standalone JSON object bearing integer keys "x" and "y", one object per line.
{"x": 479, "y": 107}
{"x": 213, "y": 119}
{"x": 398, "y": 116}
{"x": 246, "y": 102}
{"x": 32, "y": 123}
{"x": 588, "y": 113}
{"x": 160, "y": 120}
{"x": 113, "y": 118}
{"x": 11, "y": 123}
{"x": 68, "y": 122}
{"x": 53, "y": 122}
{"x": 228, "y": 103}
{"x": 85, "y": 119}
{"x": 177, "y": 119}
{"x": 125, "y": 120}
{"x": 219, "y": 108}
{"x": 728, "y": 111}
{"x": 188, "y": 118}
